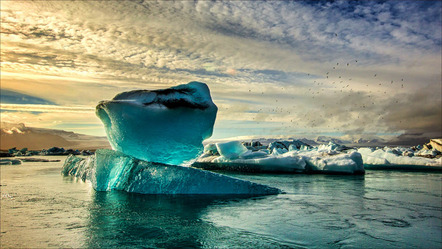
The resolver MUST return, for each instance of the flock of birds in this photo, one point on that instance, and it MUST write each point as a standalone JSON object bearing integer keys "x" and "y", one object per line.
{"x": 332, "y": 93}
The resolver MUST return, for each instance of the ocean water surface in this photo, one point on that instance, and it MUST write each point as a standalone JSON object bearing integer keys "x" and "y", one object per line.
{"x": 41, "y": 208}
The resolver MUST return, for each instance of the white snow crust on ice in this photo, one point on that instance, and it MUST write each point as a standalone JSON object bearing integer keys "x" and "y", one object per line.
{"x": 326, "y": 158}
{"x": 398, "y": 156}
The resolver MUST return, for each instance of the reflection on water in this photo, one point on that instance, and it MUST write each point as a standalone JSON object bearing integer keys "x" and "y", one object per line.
{"x": 314, "y": 212}
{"x": 40, "y": 208}
{"x": 120, "y": 219}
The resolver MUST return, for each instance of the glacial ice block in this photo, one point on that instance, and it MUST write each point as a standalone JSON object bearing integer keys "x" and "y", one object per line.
{"x": 231, "y": 150}
{"x": 163, "y": 126}
{"x": 326, "y": 159}
{"x": 341, "y": 163}
{"x": 397, "y": 158}
{"x": 113, "y": 170}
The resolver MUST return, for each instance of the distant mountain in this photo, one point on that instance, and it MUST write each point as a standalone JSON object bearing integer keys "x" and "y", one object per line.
{"x": 347, "y": 140}
{"x": 21, "y": 136}
{"x": 324, "y": 140}
{"x": 308, "y": 141}
{"x": 375, "y": 141}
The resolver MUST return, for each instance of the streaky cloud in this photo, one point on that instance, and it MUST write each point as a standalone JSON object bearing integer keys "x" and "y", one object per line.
{"x": 47, "y": 108}
{"x": 13, "y": 97}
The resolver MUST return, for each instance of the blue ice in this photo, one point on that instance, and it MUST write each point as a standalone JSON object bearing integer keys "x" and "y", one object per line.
{"x": 113, "y": 170}
{"x": 163, "y": 126}
{"x": 231, "y": 150}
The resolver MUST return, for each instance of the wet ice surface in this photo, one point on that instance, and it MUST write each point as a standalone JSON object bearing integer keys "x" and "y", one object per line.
{"x": 40, "y": 208}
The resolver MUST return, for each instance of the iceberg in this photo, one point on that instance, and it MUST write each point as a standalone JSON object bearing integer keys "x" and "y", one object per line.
{"x": 79, "y": 167}
{"x": 112, "y": 170}
{"x": 434, "y": 144}
{"x": 332, "y": 148}
{"x": 298, "y": 158}
{"x": 400, "y": 158}
{"x": 152, "y": 134}
{"x": 231, "y": 150}
{"x": 288, "y": 145}
{"x": 163, "y": 126}
{"x": 350, "y": 163}
{"x": 211, "y": 149}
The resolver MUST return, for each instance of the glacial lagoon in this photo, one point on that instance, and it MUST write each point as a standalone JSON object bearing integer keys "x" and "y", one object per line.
{"x": 394, "y": 209}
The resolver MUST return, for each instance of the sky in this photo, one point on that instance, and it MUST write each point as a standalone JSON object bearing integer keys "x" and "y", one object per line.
{"x": 275, "y": 68}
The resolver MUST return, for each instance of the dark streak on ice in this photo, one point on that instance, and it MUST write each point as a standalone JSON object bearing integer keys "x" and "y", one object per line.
{"x": 169, "y": 103}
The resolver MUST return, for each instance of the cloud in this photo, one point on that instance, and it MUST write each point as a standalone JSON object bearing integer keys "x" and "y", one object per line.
{"x": 12, "y": 97}
{"x": 296, "y": 66}
{"x": 46, "y": 108}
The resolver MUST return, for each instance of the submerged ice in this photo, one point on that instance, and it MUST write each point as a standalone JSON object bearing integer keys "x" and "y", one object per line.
{"x": 163, "y": 126}
{"x": 113, "y": 170}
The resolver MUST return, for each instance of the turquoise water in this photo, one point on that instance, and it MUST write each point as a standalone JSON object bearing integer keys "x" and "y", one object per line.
{"x": 40, "y": 208}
